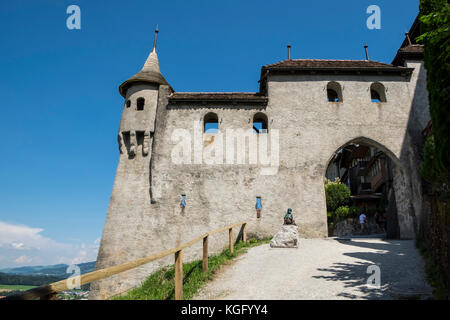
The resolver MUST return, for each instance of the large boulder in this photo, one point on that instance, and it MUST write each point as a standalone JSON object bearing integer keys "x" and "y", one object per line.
{"x": 287, "y": 237}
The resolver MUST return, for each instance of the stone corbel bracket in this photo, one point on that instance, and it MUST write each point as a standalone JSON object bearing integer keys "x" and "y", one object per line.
{"x": 121, "y": 142}
{"x": 133, "y": 144}
{"x": 128, "y": 141}
{"x": 146, "y": 143}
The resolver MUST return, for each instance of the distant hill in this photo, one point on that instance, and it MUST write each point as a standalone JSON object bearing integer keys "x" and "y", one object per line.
{"x": 57, "y": 270}
{"x": 30, "y": 280}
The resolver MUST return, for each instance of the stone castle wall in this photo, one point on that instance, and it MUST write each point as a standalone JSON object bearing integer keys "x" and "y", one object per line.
{"x": 144, "y": 215}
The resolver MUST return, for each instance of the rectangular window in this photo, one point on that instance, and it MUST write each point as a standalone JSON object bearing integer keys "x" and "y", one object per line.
{"x": 140, "y": 102}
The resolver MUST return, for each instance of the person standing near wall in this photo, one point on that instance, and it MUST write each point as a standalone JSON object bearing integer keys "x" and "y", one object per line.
{"x": 363, "y": 221}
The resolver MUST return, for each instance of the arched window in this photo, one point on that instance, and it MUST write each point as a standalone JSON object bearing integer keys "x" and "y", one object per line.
{"x": 377, "y": 93}
{"x": 211, "y": 123}
{"x": 140, "y": 102}
{"x": 128, "y": 104}
{"x": 334, "y": 92}
{"x": 260, "y": 123}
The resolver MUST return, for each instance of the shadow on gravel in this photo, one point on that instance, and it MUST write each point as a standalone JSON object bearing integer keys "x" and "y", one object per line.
{"x": 399, "y": 265}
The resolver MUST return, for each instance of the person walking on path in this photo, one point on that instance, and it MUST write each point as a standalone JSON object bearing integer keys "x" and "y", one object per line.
{"x": 363, "y": 222}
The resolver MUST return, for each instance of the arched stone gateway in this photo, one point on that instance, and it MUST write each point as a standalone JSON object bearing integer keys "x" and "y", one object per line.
{"x": 165, "y": 155}
{"x": 400, "y": 197}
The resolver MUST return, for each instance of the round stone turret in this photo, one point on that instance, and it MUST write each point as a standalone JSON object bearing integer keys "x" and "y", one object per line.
{"x": 141, "y": 92}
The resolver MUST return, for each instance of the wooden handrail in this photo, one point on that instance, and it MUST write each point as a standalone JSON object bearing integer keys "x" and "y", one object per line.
{"x": 51, "y": 290}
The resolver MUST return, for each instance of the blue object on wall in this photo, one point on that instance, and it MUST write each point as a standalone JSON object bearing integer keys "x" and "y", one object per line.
{"x": 258, "y": 203}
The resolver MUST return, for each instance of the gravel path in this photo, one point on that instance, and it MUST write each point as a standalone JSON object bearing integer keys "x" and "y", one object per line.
{"x": 322, "y": 269}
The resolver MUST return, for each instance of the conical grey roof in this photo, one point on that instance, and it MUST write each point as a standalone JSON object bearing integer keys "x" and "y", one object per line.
{"x": 149, "y": 73}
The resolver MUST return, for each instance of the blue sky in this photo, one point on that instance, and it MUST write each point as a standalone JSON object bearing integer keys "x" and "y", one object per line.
{"x": 61, "y": 107}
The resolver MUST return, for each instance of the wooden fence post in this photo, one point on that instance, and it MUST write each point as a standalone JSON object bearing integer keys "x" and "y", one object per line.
{"x": 244, "y": 233}
{"x": 230, "y": 237}
{"x": 179, "y": 275}
{"x": 205, "y": 254}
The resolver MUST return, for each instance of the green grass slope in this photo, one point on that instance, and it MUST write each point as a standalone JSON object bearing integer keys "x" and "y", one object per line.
{"x": 160, "y": 284}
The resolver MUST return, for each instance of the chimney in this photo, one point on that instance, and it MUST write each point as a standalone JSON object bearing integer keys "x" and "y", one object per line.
{"x": 289, "y": 51}
{"x": 367, "y": 52}
{"x": 409, "y": 39}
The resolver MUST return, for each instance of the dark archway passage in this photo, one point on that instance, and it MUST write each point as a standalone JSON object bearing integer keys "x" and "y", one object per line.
{"x": 368, "y": 173}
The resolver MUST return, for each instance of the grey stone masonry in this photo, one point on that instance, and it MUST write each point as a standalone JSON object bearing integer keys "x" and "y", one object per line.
{"x": 165, "y": 154}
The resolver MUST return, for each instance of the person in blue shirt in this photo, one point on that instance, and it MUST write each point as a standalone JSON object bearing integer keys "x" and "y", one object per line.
{"x": 363, "y": 223}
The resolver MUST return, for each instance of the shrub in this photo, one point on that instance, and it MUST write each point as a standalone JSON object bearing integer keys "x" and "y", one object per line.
{"x": 353, "y": 212}
{"x": 337, "y": 194}
{"x": 342, "y": 213}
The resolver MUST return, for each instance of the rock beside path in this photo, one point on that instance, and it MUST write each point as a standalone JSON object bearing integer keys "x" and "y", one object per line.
{"x": 287, "y": 237}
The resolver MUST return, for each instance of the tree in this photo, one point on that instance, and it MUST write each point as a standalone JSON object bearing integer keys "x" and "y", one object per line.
{"x": 434, "y": 17}
{"x": 337, "y": 194}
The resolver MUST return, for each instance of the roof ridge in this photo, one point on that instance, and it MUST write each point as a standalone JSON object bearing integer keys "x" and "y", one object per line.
{"x": 309, "y": 59}
{"x": 216, "y": 92}
{"x": 293, "y": 62}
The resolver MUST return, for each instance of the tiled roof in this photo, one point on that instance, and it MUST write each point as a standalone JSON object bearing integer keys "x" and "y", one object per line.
{"x": 413, "y": 48}
{"x": 233, "y": 97}
{"x": 411, "y": 52}
{"x": 334, "y": 64}
{"x": 142, "y": 76}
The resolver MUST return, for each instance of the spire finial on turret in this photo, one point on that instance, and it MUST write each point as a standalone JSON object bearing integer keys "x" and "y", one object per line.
{"x": 156, "y": 37}
{"x": 152, "y": 64}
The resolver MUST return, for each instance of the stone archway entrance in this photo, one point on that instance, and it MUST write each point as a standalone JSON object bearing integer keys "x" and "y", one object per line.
{"x": 378, "y": 188}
